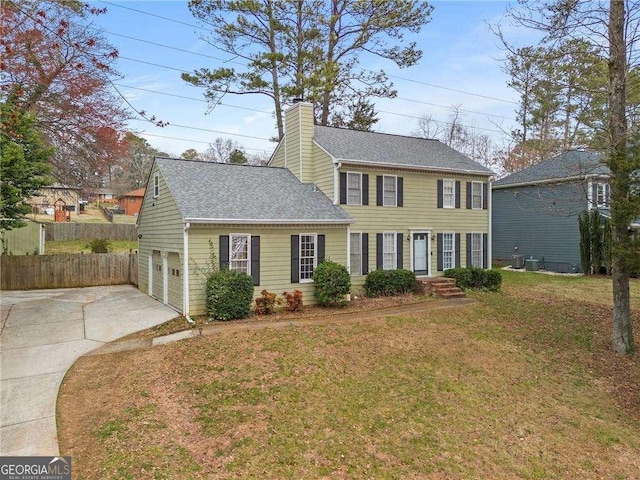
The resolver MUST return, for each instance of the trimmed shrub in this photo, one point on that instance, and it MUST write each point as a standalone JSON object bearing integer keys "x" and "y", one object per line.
{"x": 266, "y": 303}
{"x": 294, "y": 300}
{"x": 229, "y": 295}
{"x": 475, "y": 278}
{"x": 331, "y": 283}
{"x": 389, "y": 282}
{"x": 100, "y": 245}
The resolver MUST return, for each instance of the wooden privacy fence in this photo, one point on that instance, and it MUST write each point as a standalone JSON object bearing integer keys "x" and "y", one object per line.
{"x": 90, "y": 231}
{"x": 69, "y": 270}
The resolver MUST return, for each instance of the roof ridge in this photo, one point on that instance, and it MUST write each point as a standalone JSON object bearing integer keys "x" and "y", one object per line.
{"x": 382, "y": 133}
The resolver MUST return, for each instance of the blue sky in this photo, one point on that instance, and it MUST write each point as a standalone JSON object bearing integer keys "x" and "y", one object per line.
{"x": 460, "y": 54}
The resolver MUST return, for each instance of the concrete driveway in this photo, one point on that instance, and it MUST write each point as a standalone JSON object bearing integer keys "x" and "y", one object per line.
{"x": 43, "y": 333}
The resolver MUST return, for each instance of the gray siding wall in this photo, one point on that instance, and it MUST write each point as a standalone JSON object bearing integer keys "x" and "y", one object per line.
{"x": 539, "y": 222}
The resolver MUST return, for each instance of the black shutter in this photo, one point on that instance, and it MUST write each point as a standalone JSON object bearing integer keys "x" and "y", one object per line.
{"x": 485, "y": 196}
{"x": 365, "y": 189}
{"x": 255, "y": 260}
{"x": 469, "y": 195}
{"x": 457, "y": 194}
{"x": 439, "y": 250}
{"x": 440, "y": 189}
{"x": 457, "y": 248}
{"x": 400, "y": 187}
{"x": 399, "y": 252}
{"x": 485, "y": 250}
{"x": 468, "y": 250}
{"x": 320, "y": 251}
{"x": 343, "y": 188}
{"x": 379, "y": 262}
{"x": 295, "y": 258}
{"x": 365, "y": 253}
{"x": 224, "y": 252}
{"x": 379, "y": 191}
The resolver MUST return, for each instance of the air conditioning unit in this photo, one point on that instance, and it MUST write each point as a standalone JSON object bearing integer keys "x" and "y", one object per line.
{"x": 517, "y": 261}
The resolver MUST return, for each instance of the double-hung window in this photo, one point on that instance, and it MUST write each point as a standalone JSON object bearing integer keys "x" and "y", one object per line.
{"x": 448, "y": 193}
{"x": 156, "y": 185}
{"x": 448, "y": 251}
{"x": 240, "y": 253}
{"x": 355, "y": 257}
{"x": 476, "y": 195}
{"x": 389, "y": 186}
{"x": 602, "y": 195}
{"x": 389, "y": 251}
{"x": 354, "y": 188}
{"x": 308, "y": 256}
{"x": 476, "y": 250}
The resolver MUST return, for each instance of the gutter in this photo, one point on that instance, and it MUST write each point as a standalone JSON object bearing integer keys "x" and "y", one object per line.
{"x": 267, "y": 221}
{"x": 549, "y": 180}
{"x": 414, "y": 167}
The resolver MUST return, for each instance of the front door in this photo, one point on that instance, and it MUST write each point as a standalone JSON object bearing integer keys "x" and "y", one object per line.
{"x": 420, "y": 253}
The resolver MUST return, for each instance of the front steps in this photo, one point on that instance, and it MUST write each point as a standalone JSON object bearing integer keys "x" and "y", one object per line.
{"x": 442, "y": 287}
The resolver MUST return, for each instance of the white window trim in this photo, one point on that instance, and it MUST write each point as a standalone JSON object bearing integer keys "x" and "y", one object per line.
{"x": 315, "y": 256}
{"x": 481, "y": 249}
{"x": 453, "y": 250}
{"x": 395, "y": 177}
{"x": 359, "y": 272}
{"x": 360, "y": 175}
{"x": 481, "y": 195}
{"x": 395, "y": 250}
{"x": 248, "y": 236}
{"x": 156, "y": 185}
{"x": 453, "y": 198}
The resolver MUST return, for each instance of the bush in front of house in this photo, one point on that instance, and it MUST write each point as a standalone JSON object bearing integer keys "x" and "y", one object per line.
{"x": 389, "y": 282}
{"x": 294, "y": 300}
{"x": 475, "y": 278}
{"x": 266, "y": 303}
{"x": 229, "y": 295}
{"x": 331, "y": 283}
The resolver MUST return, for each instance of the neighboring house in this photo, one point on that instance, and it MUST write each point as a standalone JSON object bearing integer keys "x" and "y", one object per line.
{"x": 417, "y": 203}
{"x": 365, "y": 200}
{"x": 536, "y": 210}
{"x": 131, "y": 201}
{"x": 104, "y": 195}
{"x": 259, "y": 220}
{"x": 27, "y": 240}
{"x": 44, "y": 202}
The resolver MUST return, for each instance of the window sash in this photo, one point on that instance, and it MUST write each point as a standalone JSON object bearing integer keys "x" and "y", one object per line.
{"x": 239, "y": 253}
{"x": 448, "y": 193}
{"x": 355, "y": 254}
{"x": 476, "y": 250}
{"x": 476, "y": 195}
{"x": 602, "y": 195}
{"x": 389, "y": 188}
{"x": 156, "y": 186}
{"x": 389, "y": 251}
{"x": 354, "y": 188}
{"x": 447, "y": 251}
{"x": 308, "y": 256}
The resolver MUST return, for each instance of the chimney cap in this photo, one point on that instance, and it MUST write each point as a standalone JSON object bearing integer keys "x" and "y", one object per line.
{"x": 297, "y": 100}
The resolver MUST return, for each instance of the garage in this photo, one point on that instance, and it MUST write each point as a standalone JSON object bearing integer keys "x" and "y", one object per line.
{"x": 174, "y": 279}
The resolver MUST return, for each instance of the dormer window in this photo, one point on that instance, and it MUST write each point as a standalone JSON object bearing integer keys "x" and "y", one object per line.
{"x": 602, "y": 195}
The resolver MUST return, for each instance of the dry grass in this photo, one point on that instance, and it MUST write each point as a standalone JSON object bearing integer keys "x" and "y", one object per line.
{"x": 520, "y": 385}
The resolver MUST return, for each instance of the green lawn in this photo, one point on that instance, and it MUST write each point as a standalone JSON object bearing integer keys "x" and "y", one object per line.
{"x": 82, "y": 246}
{"x": 521, "y": 384}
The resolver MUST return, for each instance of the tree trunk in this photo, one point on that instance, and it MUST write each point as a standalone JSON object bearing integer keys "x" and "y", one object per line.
{"x": 622, "y": 320}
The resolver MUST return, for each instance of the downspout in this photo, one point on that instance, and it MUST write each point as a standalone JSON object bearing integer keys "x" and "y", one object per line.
{"x": 336, "y": 183}
{"x": 490, "y": 210}
{"x": 186, "y": 274}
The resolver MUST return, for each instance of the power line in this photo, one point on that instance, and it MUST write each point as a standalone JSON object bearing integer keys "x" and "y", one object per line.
{"x": 262, "y": 150}
{"x": 433, "y": 85}
{"x": 253, "y": 137}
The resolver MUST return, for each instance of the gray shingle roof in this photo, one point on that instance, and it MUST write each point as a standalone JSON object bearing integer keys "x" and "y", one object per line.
{"x": 398, "y": 150}
{"x": 220, "y": 192}
{"x": 573, "y": 163}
